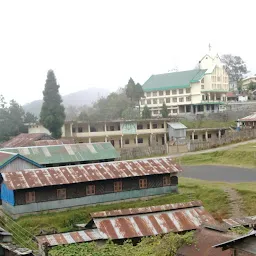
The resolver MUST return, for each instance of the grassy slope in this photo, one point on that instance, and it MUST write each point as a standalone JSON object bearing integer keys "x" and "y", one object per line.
{"x": 243, "y": 156}
{"x": 207, "y": 124}
{"x": 214, "y": 200}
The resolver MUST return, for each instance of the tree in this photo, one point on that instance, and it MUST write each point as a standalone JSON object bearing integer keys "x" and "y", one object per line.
{"x": 130, "y": 113}
{"x": 235, "y": 67}
{"x": 164, "y": 111}
{"x": 52, "y": 114}
{"x": 146, "y": 113}
{"x": 83, "y": 116}
{"x": 252, "y": 86}
{"x": 134, "y": 92}
{"x": 30, "y": 118}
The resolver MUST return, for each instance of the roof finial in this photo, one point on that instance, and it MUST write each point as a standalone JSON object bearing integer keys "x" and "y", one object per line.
{"x": 210, "y": 47}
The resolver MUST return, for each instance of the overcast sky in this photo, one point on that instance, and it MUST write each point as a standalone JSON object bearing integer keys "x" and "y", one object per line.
{"x": 103, "y": 43}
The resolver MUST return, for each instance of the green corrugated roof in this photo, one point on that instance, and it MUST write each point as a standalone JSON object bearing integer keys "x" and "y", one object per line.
{"x": 67, "y": 153}
{"x": 175, "y": 80}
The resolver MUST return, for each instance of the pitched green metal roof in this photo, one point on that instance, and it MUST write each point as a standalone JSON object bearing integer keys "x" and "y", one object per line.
{"x": 67, "y": 153}
{"x": 175, "y": 80}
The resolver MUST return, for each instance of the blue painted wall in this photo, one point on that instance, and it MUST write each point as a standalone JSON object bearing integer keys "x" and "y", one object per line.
{"x": 88, "y": 200}
{"x": 7, "y": 195}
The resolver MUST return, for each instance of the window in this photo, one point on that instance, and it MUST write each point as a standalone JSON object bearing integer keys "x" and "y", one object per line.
{"x": 188, "y": 98}
{"x": 148, "y": 101}
{"x": 174, "y": 111}
{"x": 202, "y": 81}
{"x": 209, "y": 135}
{"x": 148, "y": 126}
{"x": 140, "y": 140}
{"x": 126, "y": 141}
{"x": 80, "y": 129}
{"x": 154, "y": 101}
{"x": 90, "y": 190}
{"x": 166, "y": 180}
{"x": 196, "y": 137}
{"x": 188, "y": 90}
{"x": 202, "y": 86}
{"x": 218, "y": 78}
{"x": 154, "y": 94}
{"x": 112, "y": 128}
{"x": 180, "y": 91}
{"x": 174, "y": 180}
{"x": 161, "y": 101}
{"x": 30, "y": 197}
{"x": 162, "y": 125}
{"x": 167, "y": 92}
{"x": 154, "y": 126}
{"x": 174, "y": 100}
{"x": 161, "y": 93}
{"x": 148, "y": 94}
{"x": 142, "y": 102}
{"x": 181, "y": 99}
{"x": 203, "y": 97}
{"x": 61, "y": 193}
{"x": 118, "y": 186}
{"x": 139, "y": 126}
{"x": 143, "y": 183}
{"x": 155, "y": 112}
{"x": 73, "y": 129}
{"x": 92, "y": 129}
{"x": 174, "y": 92}
{"x": 167, "y": 100}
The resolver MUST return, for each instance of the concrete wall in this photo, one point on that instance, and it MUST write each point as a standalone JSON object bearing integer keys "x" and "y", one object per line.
{"x": 88, "y": 200}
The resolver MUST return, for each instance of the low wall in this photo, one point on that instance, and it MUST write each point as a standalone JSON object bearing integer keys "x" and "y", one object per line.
{"x": 140, "y": 152}
{"x": 228, "y": 138}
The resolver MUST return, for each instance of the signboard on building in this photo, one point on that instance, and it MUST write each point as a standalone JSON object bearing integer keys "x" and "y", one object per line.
{"x": 129, "y": 128}
{"x": 222, "y": 108}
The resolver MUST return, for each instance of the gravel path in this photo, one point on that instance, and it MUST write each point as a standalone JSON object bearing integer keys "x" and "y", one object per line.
{"x": 219, "y": 173}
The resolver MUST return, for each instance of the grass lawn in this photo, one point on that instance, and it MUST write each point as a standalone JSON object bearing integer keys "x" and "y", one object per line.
{"x": 243, "y": 156}
{"x": 214, "y": 199}
{"x": 207, "y": 124}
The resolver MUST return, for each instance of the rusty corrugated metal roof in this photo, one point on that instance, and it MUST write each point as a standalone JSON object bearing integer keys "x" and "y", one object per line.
{"x": 150, "y": 209}
{"x": 244, "y": 221}
{"x": 68, "y": 153}
{"x": 89, "y": 172}
{"x": 25, "y": 140}
{"x": 153, "y": 223}
{"x": 249, "y": 118}
{"x": 205, "y": 238}
{"x": 70, "y": 237}
{"x": 5, "y": 157}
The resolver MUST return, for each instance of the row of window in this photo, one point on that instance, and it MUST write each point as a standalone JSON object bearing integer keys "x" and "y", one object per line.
{"x": 30, "y": 196}
{"x": 158, "y": 112}
{"x": 165, "y": 100}
{"x": 127, "y": 141}
{"x": 96, "y": 129}
{"x": 211, "y": 98}
{"x": 168, "y": 92}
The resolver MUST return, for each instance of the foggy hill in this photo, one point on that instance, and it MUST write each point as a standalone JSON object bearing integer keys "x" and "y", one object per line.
{"x": 80, "y": 98}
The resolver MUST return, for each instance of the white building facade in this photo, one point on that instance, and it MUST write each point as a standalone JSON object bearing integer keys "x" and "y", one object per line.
{"x": 193, "y": 91}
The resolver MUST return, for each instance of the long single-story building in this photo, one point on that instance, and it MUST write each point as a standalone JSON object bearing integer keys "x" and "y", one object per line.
{"x": 135, "y": 223}
{"x": 64, "y": 187}
{"x": 248, "y": 121}
{"x": 67, "y": 154}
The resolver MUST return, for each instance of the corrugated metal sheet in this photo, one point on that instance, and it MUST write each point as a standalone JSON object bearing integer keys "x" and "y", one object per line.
{"x": 249, "y": 118}
{"x": 70, "y": 238}
{"x": 67, "y": 153}
{"x": 47, "y": 142}
{"x": 205, "y": 239}
{"x": 25, "y": 140}
{"x": 153, "y": 223}
{"x": 150, "y": 209}
{"x": 89, "y": 172}
{"x": 177, "y": 125}
{"x": 244, "y": 221}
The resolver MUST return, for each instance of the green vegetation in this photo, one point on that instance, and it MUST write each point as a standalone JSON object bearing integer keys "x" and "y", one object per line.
{"x": 146, "y": 113}
{"x": 240, "y": 230}
{"x": 244, "y": 156}
{"x": 166, "y": 245}
{"x": 164, "y": 111}
{"x": 52, "y": 114}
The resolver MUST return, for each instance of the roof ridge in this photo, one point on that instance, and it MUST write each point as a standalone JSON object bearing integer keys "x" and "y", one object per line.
{"x": 144, "y": 210}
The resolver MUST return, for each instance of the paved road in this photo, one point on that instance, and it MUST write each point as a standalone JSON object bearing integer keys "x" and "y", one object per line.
{"x": 219, "y": 173}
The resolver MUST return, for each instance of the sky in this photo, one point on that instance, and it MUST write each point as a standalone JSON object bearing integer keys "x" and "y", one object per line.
{"x": 104, "y": 43}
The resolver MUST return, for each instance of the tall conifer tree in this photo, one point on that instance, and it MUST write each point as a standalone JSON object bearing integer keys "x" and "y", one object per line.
{"x": 52, "y": 114}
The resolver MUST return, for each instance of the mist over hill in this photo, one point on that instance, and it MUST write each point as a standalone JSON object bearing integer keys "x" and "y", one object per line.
{"x": 81, "y": 98}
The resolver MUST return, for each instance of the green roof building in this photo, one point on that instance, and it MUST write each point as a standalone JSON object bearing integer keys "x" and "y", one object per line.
{"x": 191, "y": 91}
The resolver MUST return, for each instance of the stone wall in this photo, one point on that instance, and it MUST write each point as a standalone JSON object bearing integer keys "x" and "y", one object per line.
{"x": 228, "y": 138}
